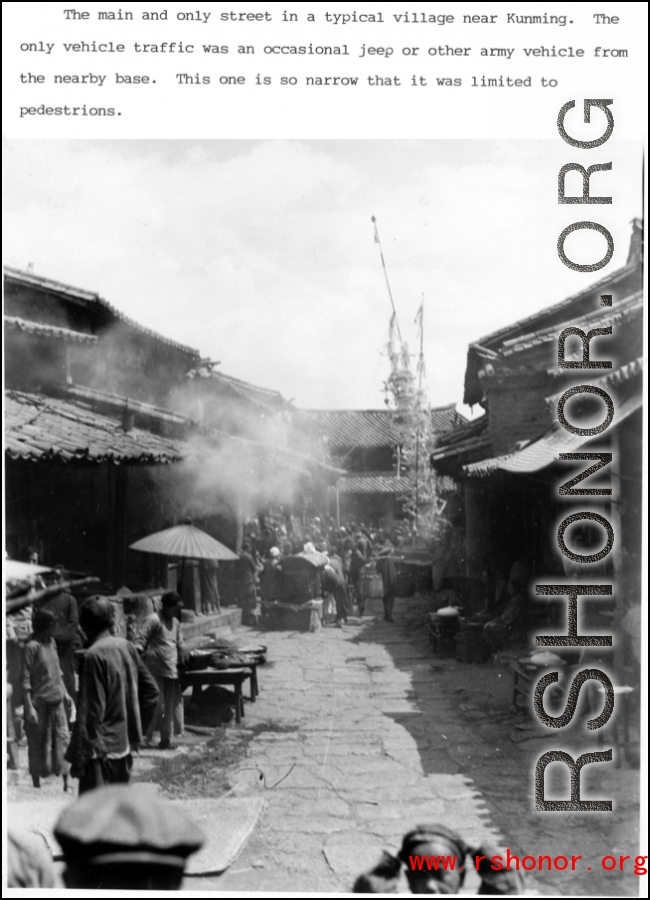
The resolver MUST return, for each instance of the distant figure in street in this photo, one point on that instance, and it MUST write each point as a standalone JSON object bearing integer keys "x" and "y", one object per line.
{"x": 336, "y": 562}
{"x": 335, "y": 585}
{"x": 66, "y": 635}
{"x": 161, "y": 646}
{"x": 250, "y": 571}
{"x": 126, "y": 838}
{"x": 45, "y": 699}
{"x": 357, "y": 562}
{"x": 270, "y": 576}
{"x": 385, "y": 565}
{"x": 118, "y": 698}
{"x": 363, "y": 543}
{"x": 497, "y": 630}
{"x": 492, "y": 605}
{"x": 210, "y": 599}
{"x": 346, "y": 549}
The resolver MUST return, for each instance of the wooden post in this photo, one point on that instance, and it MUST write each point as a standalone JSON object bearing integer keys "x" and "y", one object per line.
{"x": 338, "y": 507}
{"x": 119, "y": 553}
{"x": 110, "y": 523}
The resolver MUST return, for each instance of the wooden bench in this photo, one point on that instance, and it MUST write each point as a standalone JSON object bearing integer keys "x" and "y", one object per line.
{"x": 235, "y": 677}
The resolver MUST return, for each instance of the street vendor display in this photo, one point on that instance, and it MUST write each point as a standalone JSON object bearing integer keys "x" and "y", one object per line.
{"x": 224, "y": 662}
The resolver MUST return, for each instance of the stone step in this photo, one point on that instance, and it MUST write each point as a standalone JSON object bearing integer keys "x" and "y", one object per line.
{"x": 221, "y": 624}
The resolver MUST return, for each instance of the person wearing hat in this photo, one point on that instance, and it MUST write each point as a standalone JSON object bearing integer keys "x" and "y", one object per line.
{"x": 125, "y": 838}
{"x": 118, "y": 698}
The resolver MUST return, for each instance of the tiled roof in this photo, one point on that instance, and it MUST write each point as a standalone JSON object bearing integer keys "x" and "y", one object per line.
{"x": 106, "y": 401}
{"x": 460, "y": 445}
{"x": 558, "y": 312}
{"x": 43, "y": 427}
{"x": 39, "y": 427}
{"x": 534, "y": 352}
{"x": 90, "y": 298}
{"x": 347, "y": 428}
{"x": 611, "y": 380}
{"x": 13, "y": 323}
{"x": 539, "y": 454}
{"x": 252, "y": 392}
{"x": 600, "y": 318}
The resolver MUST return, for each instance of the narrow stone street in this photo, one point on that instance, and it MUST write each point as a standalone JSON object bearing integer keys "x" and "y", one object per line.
{"x": 345, "y": 729}
{"x": 358, "y": 735}
{"x": 361, "y": 733}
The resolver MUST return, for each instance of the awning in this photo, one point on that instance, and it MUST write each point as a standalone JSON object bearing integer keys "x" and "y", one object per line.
{"x": 545, "y": 451}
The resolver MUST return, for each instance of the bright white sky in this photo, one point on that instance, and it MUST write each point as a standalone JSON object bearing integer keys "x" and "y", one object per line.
{"x": 261, "y": 254}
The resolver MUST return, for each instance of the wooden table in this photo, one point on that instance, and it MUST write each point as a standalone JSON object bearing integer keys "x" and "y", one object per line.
{"x": 235, "y": 677}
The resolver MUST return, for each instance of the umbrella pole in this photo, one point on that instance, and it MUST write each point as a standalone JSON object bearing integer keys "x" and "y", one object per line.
{"x": 182, "y": 577}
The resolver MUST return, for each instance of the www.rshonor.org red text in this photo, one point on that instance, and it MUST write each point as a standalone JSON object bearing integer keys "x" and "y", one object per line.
{"x": 529, "y": 863}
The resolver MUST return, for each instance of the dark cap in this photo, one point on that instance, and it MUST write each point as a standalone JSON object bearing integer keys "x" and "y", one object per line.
{"x": 96, "y": 613}
{"x": 126, "y": 824}
{"x": 423, "y": 834}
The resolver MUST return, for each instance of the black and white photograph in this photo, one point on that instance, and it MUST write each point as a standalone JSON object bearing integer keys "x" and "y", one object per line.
{"x": 324, "y": 449}
{"x": 282, "y": 476}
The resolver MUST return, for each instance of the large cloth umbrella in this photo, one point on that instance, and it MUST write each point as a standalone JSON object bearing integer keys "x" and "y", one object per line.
{"x": 184, "y": 541}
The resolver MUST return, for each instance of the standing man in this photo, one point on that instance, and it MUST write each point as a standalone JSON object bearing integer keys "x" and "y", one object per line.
{"x": 386, "y": 567}
{"x": 210, "y": 598}
{"x": 66, "y": 635}
{"x": 45, "y": 696}
{"x": 357, "y": 562}
{"x": 270, "y": 576}
{"x": 117, "y": 700}
{"x": 161, "y": 646}
{"x": 249, "y": 575}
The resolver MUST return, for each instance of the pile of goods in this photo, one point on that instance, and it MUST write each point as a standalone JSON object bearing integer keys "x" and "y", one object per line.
{"x": 220, "y": 653}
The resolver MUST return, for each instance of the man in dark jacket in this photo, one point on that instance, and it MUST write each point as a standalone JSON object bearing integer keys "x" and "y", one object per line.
{"x": 118, "y": 698}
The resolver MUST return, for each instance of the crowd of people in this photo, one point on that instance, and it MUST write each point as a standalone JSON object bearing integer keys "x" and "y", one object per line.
{"x": 89, "y": 698}
{"x": 348, "y": 549}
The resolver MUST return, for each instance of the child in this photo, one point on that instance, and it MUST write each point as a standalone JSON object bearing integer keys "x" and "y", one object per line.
{"x": 45, "y": 699}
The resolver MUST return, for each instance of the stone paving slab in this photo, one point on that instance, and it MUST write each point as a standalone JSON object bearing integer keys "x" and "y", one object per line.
{"x": 367, "y": 763}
